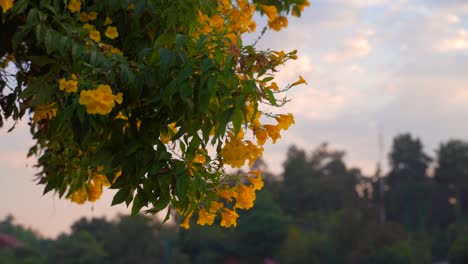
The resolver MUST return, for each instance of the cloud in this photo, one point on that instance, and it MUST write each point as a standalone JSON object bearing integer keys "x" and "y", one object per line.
{"x": 355, "y": 68}
{"x": 353, "y": 48}
{"x": 289, "y": 73}
{"x": 455, "y": 43}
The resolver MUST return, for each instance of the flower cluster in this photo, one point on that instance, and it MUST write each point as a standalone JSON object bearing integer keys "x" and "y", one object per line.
{"x": 69, "y": 86}
{"x": 92, "y": 190}
{"x": 237, "y": 151}
{"x": 111, "y": 32}
{"x": 100, "y": 101}
{"x": 230, "y": 20}
{"x": 6, "y": 4}
{"x": 47, "y": 111}
{"x": 195, "y": 96}
{"x": 244, "y": 196}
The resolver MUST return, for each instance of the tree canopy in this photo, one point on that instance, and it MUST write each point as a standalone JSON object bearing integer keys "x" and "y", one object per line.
{"x": 153, "y": 98}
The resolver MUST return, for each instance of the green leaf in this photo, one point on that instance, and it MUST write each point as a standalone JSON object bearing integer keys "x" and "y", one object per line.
{"x": 62, "y": 44}
{"x": 31, "y": 19}
{"x": 137, "y": 205}
{"x": 206, "y": 64}
{"x": 126, "y": 75}
{"x": 49, "y": 41}
{"x": 20, "y": 6}
{"x": 271, "y": 98}
{"x": 40, "y": 32}
{"x": 77, "y": 51}
{"x": 121, "y": 196}
{"x": 179, "y": 40}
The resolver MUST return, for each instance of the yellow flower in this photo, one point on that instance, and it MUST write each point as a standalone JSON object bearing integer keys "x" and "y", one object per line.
{"x": 301, "y": 7}
{"x": 274, "y": 86}
{"x": 227, "y": 193}
{"x": 166, "y": 136}
{"x": 273, "y": 132}
{"x": 111, "y": 32}
{"x": 83, "y": 17}
{"x": 300, "y": 81}
{"x": 94, "y": 189}
{"x": 95, "y": 35}
{"x": 257, "y": 183}
{"x": 245, "y": 197}
{"x": 88, "y": 27}
{"x": 215, "y": 206}
{"x": 228, "y": 218}
{"x": 79, "y": 196}
{"x": 284, "y": 121}
{"x": 69, "y": 86}
{"x": 199, "y": 158}
{"x": 74, "y": 6}
{"x": 108, "y": 21}
{"x": 186, "y": 223}
{"x": 270, "y": 11}
{"x": 205, "y": 217}
{"x": 47, "y": 111}
{"x": 261, "y": 136}
{"x": 278, "y": 23}
{"x": 119, "y": 98}
{"x": 6, "y": 4}
{"x": 116, "y": 51}
{"x": 252, "y": 26}
{"x": 92, "y": 15}
{"x": 99, "y": 101}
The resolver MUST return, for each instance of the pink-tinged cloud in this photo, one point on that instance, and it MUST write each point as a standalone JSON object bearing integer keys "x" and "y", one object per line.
{"x": 354, "y": 48}
{"x": 316, "y": 105}
{"x": 289, "y": 73}
{"x": 455, "y": 43}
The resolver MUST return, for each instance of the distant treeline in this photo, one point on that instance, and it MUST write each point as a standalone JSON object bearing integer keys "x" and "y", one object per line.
{"x": 317, "y": 211}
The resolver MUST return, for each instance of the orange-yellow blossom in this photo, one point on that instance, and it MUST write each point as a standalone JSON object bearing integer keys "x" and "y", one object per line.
{"x": 257, "y": 182}
{"x": 99, "y": 101}
{"x": 186, "y": 223}
{"x": 6, "y": 4}
{"x": 74, "y": 6}
{"x": 69, "y": 86}
{"x": 111, "y": 32}
{"x": 165, "y": 136}
{"x": 47, "y": 111}
{"x": 284, "y": 121}
{"x": 228, "y": 218}
{"x": 273, "y": 132}
{"x": 270, "y": 11}
{"x": 95, "y": 35}
{"x": 245, "y": 197}
{"x": 300, "y": 81}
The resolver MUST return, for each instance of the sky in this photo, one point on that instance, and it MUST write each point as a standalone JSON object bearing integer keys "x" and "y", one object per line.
{"x": 388, "y": 66}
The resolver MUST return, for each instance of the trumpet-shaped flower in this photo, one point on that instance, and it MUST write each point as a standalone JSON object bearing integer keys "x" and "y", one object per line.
{"x": 99, "y": 101}
{"x": 284, "y": 121}
{"x": 95, "y": 35}
{"x": 111, "y": 32}
{"x": 74, "y": 6}
{"x": 47, "y": 111}
{"x": 228, "y": 218}
{"x": 245, "y": 197}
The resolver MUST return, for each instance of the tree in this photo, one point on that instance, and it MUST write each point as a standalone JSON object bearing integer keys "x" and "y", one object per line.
{"x": 79, "y": 248}
{"x": 319, "y": 183}
{"x": 452, "y": 174}
{"x": 133, "y": 93}
{"x": 408, "y": 200}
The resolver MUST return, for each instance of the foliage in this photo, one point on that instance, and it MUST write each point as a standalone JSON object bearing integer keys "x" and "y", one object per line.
{"x": 274, "y": 230}
{"x": 458, "y": 251}
{"x": 150, "y": 97}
